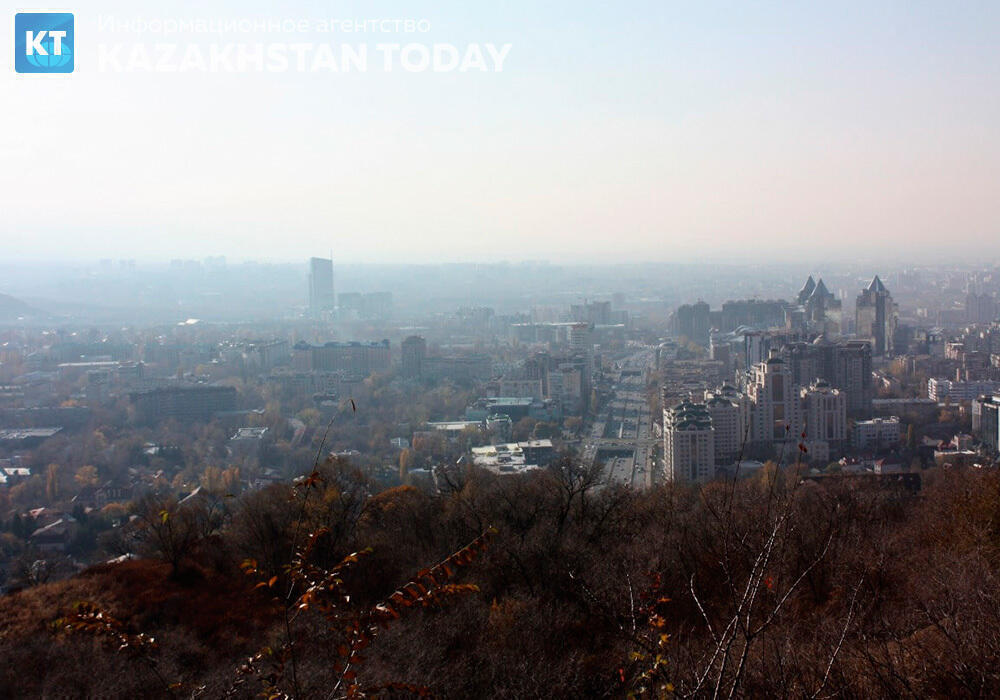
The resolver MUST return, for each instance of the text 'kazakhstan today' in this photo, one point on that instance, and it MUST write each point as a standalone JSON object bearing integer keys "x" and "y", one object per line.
{"x": 302, "y": 57}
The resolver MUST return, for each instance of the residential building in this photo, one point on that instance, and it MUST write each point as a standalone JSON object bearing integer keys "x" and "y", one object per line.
{"x": 876, "y": 435}
{"x": 321, "y": 297}
{"x": 353, "y": 358}
{"x": 776, "y": 413}
{"x": 847, "y": 366}
{"x": 565, "y": 386}
{"x": 688, "y": 443}
{"x": 959, "y": 392}
{"x": 986, "y": 421}
{"x": 188, "y": 403}
{"x": 824, "y": 411}
{"x": 56, "y": 536}
{"x": 728, "y": 411}
{"x": 693, "y": 321}
{"x": 413, "y": 351}
{"x": 265, "y": 355}
{"x": 597, "y": 313}
{"x": 980, "y": 308}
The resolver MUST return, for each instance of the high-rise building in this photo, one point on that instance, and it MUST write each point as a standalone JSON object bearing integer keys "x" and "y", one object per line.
{"x": 693, "y": 321}
{"x": 596, "y": 312}
{"x": 537, "y": 367}
{"x": 565, "y": 385}
{"x": 581, "y": 339}
{"x": 846, "y": 366}
{"x": 822, "y": 309}
{"x": 776, "y": 413}
{"x": 980, "y": 308}
{"x": 852, "y": 374}
{"x": 728, "y": 414}
{"x": 414, "y": 350}
{"x": 825, "y": 412}
{"x": 876, "y": 315}
{"x": 688, "y": 443}
{"x": 806, "y": 291}
{"x": 581, "y": 342}
{"x": 321, "y": 298}
{"x": 986, "y": 421}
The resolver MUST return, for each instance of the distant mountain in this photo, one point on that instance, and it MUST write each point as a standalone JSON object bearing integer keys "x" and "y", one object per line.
{"x": 12, "y": 309}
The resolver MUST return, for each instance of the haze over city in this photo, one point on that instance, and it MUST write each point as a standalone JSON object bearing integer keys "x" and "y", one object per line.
{"x": 525, "y": 350}
{"x": 664, "y": 131}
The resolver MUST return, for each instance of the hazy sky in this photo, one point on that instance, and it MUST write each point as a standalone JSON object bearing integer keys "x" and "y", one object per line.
{"x": 616, "y": 131}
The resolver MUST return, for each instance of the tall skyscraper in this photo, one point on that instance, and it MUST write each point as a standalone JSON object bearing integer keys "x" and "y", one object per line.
{"x": 806, "y": 291}
{"x": 727, "y": 413}
{"x": 321, "y": 297}
{"x": 688, "y": 443}
{"x": 693, "y": 321}
{"x": 581, "y": 342}
{"x": 776, "y": 415}
{"x": 846, "y": 366}
{"x": 414, "y": 350}
{"x": 980, "y": 308}
{"x": 876, "y": 316}
{"x": 852, "y": 374}
{"x": 825, "y": 414}
{"x": 822, "y": 309}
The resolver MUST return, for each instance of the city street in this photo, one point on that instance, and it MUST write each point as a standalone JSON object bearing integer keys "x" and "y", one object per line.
{"x": 621, "y": 435}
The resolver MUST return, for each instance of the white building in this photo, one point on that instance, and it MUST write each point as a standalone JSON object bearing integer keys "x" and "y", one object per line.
{"x": 776, "y": 412}
{"x": 876, "y": 434}
{"x": 956, "y": 392}
{"x": 513, "y": 457}
{"x": 688, "y": 443}
{"x": 825, "y": 412}
{"x": 727, "y": 409}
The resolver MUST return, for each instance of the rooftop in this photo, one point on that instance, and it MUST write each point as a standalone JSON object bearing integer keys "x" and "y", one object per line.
{"x": 249, "y": 434}
{"x": 27, "y": 433}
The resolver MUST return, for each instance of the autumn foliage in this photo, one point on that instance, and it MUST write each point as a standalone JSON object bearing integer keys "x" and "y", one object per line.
{"x": 773, "y": 585}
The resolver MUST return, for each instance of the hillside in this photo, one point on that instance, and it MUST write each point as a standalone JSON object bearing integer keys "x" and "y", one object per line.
{"x": 12, "y": 309}
{"x": 774, "y": 586}
{"x": 200, "y": 616}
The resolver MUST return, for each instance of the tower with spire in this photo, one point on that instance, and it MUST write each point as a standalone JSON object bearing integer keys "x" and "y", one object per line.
{"x": 876, "y": 315}
{"x": 820, "y": 307}
{"x": 806, "y": 291}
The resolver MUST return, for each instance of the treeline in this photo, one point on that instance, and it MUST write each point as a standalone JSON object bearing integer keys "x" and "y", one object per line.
{"x": 771, "y": 585}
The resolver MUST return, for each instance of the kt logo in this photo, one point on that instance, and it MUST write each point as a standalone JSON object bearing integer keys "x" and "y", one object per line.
{"x": 43, "y": 42}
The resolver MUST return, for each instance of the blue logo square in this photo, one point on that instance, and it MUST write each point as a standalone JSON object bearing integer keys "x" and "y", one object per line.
{"x": 43, "y": 42}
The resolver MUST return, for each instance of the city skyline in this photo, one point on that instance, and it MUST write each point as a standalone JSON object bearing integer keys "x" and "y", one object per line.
{"x": 670, "y": 331}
